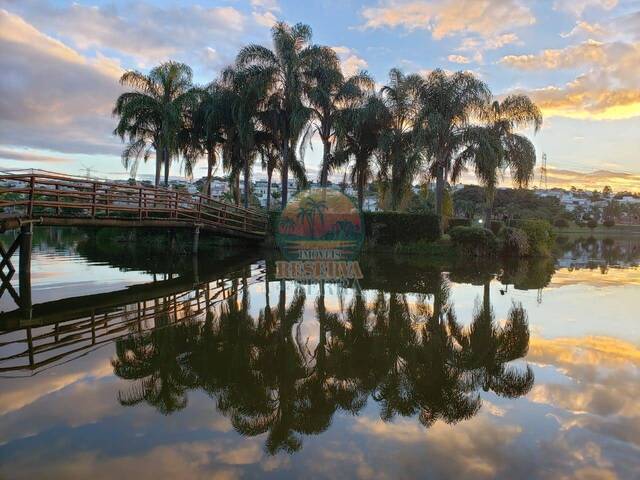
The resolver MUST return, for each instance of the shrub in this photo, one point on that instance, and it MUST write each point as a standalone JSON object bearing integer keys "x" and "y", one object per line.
{"x": 609, "y": 222}
{"x": 591, "y": 223}
{"x": 561, "y": 222}
{"x": 390, "y": 228}
{"x": 496, "y": 226}
{"x": 539, "y": 235}
{"x": 474, "y": 240}
{"x": 459, "y": 222}
{"x": 515, "y": 242}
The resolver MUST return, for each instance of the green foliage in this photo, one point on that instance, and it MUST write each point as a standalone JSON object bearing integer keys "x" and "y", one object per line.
{"x": 609, "y": 222}
{"x": 515, "y": 242}
{"x": 459, "y": 222}
{"x": 474, "y": 241}
{"x": 390, "y": 228}
{"x": 561, "y": 222}
{"x": 540, "y": 236}
{"x": 591, "y": 223}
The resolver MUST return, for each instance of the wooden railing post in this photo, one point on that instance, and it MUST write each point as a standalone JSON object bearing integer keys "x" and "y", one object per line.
{"x": 93, "y": 201}
{"x": 58, "y": 208}
{"x": 32, "y": 183}
{"x": 177, "y": 196}
{"x": 140, "y": 202}
{"x": 199, "y": 206}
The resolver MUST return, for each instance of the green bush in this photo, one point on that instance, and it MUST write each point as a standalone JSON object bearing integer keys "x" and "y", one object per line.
{"x": 515, "y": 242}
{"x": 474, "y": 241}
{"x": 539, "y": 235}
{"x": 591, "y": 223}
{"x": 609, "y": 222}
{"x": 496, "y": 226}
{"x": 561, "y": 222}
{"x": 274, "y": 217}
{"x": 390, "y": 228}
{"x": 459, "y": 222}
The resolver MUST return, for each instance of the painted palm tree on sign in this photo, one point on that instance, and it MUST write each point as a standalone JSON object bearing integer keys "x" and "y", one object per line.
{"x": 152, "y": 114}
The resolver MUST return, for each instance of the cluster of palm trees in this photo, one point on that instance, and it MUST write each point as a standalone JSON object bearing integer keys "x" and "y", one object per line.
{"x": 272, "y": 102}
{"x": 268, "y": 378}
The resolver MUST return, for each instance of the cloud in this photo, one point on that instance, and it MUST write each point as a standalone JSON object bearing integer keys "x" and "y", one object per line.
{"x": 448, "y": 17}
{"x": 577, "y": 7}
{"x": 30, "y": 156}
{"x": 592, "y": 30}
{"x": 51, "y": 96}
{"x": 165, "y": 33}
{"x": 607, "y": 88}
{"x": 350, "y": 62}
{"x": 458, "y": 59}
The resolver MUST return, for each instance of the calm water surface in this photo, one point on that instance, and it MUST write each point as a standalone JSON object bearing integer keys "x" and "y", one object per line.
{"x": 156, "y": 366}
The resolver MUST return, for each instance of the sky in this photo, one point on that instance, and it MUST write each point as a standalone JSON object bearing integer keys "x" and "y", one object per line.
{"x": 578, "y": 59}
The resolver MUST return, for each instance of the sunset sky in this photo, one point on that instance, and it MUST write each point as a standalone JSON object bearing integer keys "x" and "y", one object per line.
{"x": 579, "y": 59}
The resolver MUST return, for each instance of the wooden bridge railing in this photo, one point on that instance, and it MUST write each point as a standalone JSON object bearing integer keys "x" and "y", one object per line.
{"x": 54, "y": 196}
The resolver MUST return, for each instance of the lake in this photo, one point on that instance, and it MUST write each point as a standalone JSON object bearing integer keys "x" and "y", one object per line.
{"x": 139, "y": 363}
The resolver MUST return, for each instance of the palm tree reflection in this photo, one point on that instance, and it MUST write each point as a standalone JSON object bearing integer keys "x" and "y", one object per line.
{"x": 413, "y": 358}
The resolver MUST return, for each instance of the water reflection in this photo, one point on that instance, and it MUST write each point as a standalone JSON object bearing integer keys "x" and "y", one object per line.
{"x": 267, "y": 377}
{"x": 444, "y": 371}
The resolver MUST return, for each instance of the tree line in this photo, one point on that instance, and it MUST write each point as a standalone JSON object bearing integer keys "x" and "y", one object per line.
{"x": 271, "y": 102}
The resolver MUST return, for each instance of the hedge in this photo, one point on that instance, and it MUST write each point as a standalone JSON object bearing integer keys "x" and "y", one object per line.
{"x": 475, "y": 241}
{"x": 458, "y": 222}
{"x": 391, "y": 228}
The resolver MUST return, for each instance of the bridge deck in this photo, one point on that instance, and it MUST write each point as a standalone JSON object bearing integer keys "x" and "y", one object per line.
{"x": 54, "y": 199}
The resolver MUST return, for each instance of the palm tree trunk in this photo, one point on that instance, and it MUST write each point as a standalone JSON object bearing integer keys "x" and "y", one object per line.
{"x": 440, "y": 194}
{"x": 360, "y": 180}
{"x": 285, "y": 173}
{"x": 159, "y": 153}
{"x": 236, "y": 189}
{"x": 269, "y": 173}
{"x": 324, "y": 172}
{"x": 211, "y": 160}
{"x": 165, "y": 152}
{"x": 246, "y": 182}
{"x": 488, "y": 214}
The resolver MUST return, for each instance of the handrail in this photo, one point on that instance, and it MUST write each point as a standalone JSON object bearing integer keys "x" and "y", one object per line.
{"x": 95, "y": 199}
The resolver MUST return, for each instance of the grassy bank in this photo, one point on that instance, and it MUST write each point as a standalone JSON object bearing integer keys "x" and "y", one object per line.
{"x": 600, "y": 230}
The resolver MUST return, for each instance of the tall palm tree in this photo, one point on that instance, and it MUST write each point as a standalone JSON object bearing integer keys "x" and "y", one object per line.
{"x": 202, "y": 133}
{"x": 288, "y": 65}
{"x": 510, "y": 150}
{"x": 358, "y": 130}
{"x": 328, "y": 93}
{"x": 449, "y": 102}
{"x": 151, "y": 115}
{"x": 400, "y": 150}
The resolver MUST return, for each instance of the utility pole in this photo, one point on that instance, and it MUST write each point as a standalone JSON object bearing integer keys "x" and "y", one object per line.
{"x": 543, "y": 172}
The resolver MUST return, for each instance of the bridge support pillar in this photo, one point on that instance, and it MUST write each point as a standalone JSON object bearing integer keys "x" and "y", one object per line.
{"x": 196, "y": 239}
{"x": 26, "y": 241}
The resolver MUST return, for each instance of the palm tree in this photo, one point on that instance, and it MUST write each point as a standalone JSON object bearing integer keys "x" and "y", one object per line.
{"x": 288, "y": 66}
{"x": 152, "y": 114}
{"x": 358, "y": 130}
{"x": 203, "y": 133}
{"x": 448, "y": 105}
{"x": 328, "y": 93}
{"x": 511, "y": 150}
{"x": 400, "y": 150}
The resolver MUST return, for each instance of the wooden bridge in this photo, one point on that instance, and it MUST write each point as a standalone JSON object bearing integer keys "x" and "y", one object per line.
{"x": 47, "y": 198}
{"x": 52, "y": 199}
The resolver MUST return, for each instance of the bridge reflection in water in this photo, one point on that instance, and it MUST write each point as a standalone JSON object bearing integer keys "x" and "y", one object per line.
{"x": 63, "y": 330}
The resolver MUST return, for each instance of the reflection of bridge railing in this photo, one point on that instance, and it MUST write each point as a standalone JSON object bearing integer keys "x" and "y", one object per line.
{"x": 39, "y": 347}
{"x": 65, "y": 200}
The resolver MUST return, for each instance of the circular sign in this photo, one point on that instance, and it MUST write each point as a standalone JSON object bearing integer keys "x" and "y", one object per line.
{"x": 320, "y": 224}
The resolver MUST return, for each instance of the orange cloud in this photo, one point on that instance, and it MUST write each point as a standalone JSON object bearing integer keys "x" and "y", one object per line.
{"x": 447, "y": 17}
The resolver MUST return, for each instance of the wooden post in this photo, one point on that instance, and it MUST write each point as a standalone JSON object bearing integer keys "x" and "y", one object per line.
{"x": 93, "y": 202}
{"x": 31, "y": 195}
{"x": 58, "y": 208}
{"x": 140, "y": 202}
{"x": 196, "y": 239}
{"x": 25, "y": 267}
